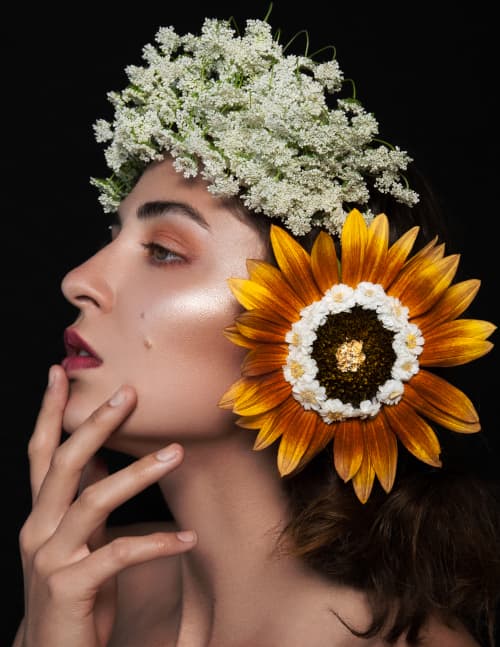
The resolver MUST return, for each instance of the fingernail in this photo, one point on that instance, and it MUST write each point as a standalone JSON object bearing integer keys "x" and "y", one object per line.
{"x": 186, "y": 535}
{"x": 52, "y": 377}
{"x": 117, "y": 399}
{"x": 167, "y": 455}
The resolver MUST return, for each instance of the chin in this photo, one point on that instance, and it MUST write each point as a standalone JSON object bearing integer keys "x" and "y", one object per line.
{"x": 77, "y": 410}
{"x": 123, "y": 438}
{"x": 84, "y": 399}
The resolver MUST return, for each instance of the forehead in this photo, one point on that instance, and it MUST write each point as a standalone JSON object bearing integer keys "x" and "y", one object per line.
{"x": 162, "y": 183}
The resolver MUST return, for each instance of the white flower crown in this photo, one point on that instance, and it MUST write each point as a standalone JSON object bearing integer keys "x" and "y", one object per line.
{"x": 254, "y": 122}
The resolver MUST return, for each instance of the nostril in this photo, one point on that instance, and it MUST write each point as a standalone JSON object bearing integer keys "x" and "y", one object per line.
{"x": 85, "y": 286}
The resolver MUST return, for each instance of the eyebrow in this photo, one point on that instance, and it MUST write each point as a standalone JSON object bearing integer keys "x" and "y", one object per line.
{"x": 159, "y": 208}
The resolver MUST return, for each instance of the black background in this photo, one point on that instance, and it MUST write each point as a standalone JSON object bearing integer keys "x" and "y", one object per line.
{"x": 428, "y": 78}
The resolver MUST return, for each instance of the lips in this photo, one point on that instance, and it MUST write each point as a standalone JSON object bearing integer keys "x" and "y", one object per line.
{"x": 74, "y": 345}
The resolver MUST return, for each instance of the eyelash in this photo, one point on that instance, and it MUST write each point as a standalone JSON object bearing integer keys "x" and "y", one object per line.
{"x": 151, "y": 248}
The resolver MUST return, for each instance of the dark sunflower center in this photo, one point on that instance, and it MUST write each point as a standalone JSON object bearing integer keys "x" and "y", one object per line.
{"x": 354, "y": 355}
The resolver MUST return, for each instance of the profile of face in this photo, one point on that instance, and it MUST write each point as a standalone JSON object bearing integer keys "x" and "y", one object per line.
{"x": 153, "y": 304}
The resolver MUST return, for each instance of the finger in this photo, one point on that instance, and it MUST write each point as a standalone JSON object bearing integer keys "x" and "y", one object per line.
{"x": 95, "y": 470}
{"x": 97, "y": 501}
{"x": 47, "y": 431}
{"x": 83, "y": 579}
{"x": 60, "y": 485}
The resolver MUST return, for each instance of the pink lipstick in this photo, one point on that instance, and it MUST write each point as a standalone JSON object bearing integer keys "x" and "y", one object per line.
{"x": 79, "y": 354}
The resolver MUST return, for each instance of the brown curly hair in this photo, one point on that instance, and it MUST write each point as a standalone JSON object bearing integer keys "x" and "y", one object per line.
{"x": 431, "y": 546}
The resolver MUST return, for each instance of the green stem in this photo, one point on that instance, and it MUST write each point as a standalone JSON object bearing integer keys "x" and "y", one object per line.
{"x": 318, "y": 51}
{"x": 302, "y": 31}
{"x": 232, "y": 21}
{"x": 353, "y": 85}
{"x": 382, "y": 141}
{"x": 268, "y": 12}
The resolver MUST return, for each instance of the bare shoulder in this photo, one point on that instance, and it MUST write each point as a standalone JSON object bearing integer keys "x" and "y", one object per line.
{"x": 148, "y": 593}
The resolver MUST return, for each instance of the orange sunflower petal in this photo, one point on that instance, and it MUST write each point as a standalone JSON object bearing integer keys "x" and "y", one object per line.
{"x": 415, "y": 434}
{"x": 275, "y": 423}
{"x": 295, "y": 263}
{"x": 440, "y": 351}
{"x": 253, "y": 295}
{"x": 257, "y": 325}
{"x": 323, "y": 434}
{"x": 430, "y": 253}
{"x": 420, "y": 290}
{"x": 382, "y": 447}
{"x": 232, "y": 333}
{"x": 295, "y": 440}
{"x": 363, "y": 479}
{"x": 271, "y": 278}
{"x": 439, "y": 393}
{"x": 266, "y": 358}
{"x": 257, "y": 421}
{"x": 348, "y": 447}
{"x": 452, "y": 304}
{"x": 324, "y": 262}
{"x": 250, "y": 395}
{"x": 376, "y": 248}
{"x": 236, "y": 389}
{"x": 472, "y": 328}
{"x": 443, "y": 418}
{"x": 354, "y": 238}
{"x": 397, "y": 255}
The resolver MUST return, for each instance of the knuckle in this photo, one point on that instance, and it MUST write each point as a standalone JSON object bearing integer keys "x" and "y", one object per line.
{"x": 59, "y": 459}
{"x": 26, "y": 539}
{"x": 120, "y": 550}
{"x": 57, "y": 585}
{"x": 161, "y": 544}
{"x": 35, "y": 445}
{"x": 40, "y": 563}
{"x": 38, "y": 444}
{"x": 92, "y": 498}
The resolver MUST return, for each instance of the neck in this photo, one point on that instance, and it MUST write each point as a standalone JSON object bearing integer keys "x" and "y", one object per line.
{"x": 233, "y": 497}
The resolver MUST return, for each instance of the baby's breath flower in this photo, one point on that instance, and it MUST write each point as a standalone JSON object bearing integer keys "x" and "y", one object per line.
{"x": 254, "y": 121}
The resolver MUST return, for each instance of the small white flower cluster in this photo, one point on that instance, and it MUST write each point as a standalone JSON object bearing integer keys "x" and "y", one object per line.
{"x": 301, "y": 368}
{"x": 254, "y": 122}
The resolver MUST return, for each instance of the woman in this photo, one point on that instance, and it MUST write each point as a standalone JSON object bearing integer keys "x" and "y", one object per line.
{"x": 255, "y": 568}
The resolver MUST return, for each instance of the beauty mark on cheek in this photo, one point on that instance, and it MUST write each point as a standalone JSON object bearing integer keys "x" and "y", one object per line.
{"x": 147, "y": 341}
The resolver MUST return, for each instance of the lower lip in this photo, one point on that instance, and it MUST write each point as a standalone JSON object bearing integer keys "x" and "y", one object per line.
{"x": 77, "y": 362}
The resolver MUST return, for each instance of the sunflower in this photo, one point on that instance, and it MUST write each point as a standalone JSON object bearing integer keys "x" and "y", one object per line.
{"x": 336, "y": 350}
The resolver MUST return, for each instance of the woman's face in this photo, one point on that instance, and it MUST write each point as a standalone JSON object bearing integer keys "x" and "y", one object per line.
{"x": 153, "y": 305}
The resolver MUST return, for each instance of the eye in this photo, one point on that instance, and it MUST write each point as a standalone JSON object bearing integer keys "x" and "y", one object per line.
{"x": 160, "y": 255}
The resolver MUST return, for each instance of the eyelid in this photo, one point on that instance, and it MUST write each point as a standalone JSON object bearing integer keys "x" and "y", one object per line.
{"x": 152, "y": 246}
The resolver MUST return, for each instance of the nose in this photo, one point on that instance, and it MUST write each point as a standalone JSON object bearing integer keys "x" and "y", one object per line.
{"x": 87, "y": 285}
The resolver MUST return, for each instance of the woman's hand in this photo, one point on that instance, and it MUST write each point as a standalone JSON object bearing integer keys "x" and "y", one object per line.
{"x": 69, "y": 566}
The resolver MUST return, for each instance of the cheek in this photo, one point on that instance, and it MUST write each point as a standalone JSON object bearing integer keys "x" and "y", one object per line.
{"x": 187, "y": 362}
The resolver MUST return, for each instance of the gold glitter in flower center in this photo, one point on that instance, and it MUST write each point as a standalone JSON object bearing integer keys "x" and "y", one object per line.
{"x": 350, "y": 355}
{"x": 359, "y": 372}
